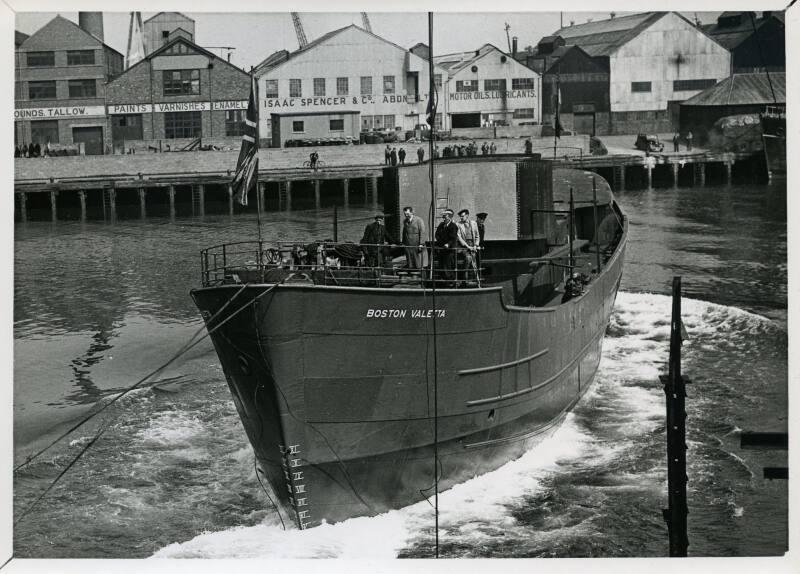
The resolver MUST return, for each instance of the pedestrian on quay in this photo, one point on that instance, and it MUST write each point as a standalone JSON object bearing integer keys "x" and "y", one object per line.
{"x": 676, "y": 142}
{"x": 313, "y": 159}
{"x": 446, "y": 240}
{"x": 528, "y": 147}
{"x": 401, "y": 154}
{"x": 492, "y": 149}
{"x": 420, "y": 154}
{"x": 37, "y": 150}
{"x": 484, "y": 149}
{"x": 436, "y": 152}
{"x": 374, "y": 238}
{"x": 24, "y": 151}
{"x": 393, "y": 156}
{"x": 387, "y": 153}
{"x": 17, "y": 151}
{"x": 689, "y": 138}
{"x": 413, "y": 236}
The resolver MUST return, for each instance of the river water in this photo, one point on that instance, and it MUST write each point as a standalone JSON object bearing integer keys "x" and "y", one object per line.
{"x": 98, "y": 306}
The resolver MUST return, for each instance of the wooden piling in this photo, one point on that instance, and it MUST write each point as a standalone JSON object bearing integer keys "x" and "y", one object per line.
{"x": 142, "y": 203}
{"x": 23, "y": 206}
{"x": 317, "y": 199}
{"x": 262, "y": 186}
{"x": 675, "y": 391}
{"x": 346, "y": 189}
{"x": 82, "y": 197}
{"x": 230, "y": 199}
{"x": 53, "y": 209}
{"x": 728, "y": 172}
{"x": 675, "y": 173}
{"x": 288, "y": 205}
{"x": 172, "y": 202}
{"x": 201, "y": 192}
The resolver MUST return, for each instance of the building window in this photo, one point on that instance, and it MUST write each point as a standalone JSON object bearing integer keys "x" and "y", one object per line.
{"x": 44, "y": 131}
{"x": 83, "y": 88}
{"x": 177, "y": 49}
{"x": 494, "y": 85}
{"x": 181, "y": 82}
{"x": 388, "y": 122}
{"x": 319, "y": 86}
{"x": 337, "y": 125}
{"x": 342, "y": 87}
{"x": 80, "y": 57}
{"x": 295, "y": 88}
{"x": 687, "y": 85}
{"x": 234, "y": 122}
{"x": 41, "y": 59}
{"x": 437, "y": 81}
{"x": 366, "y": 85}
{"x": 271, "y": 89}
{"x": 641, "y": 87}
{"x": 298, "y": 127}
{"x": 366, "y": 123}
{"x": 42, "y": 90}
{"x": 521, "y": 113}
{"x": 183, "y": 125}
{"x": 467, "y": 85}
{"x": 523, "y": 83}
{"x": 388, "y": 84}
{"x": 377, "y": 122}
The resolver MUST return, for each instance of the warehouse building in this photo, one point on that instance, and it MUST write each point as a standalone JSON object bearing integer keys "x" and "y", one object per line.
{"x": 316, "y": 92}
{"x": 756, "y": 44}
{"x": 61, "y": 73}
{"x": 633, "y": 73}
{"x": 175, "y": 95}
{"x": 487, "y": 87}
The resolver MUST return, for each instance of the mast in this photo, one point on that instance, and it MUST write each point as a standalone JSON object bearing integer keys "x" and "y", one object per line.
{"x": 432, "y": 116}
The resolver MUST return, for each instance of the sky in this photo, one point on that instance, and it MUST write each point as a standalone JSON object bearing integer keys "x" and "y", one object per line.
{"x": 257, "y": 35}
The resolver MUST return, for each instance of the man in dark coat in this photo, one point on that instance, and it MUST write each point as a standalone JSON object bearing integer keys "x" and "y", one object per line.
{"x": 387, "y": 154}
{"x": 446, "y": 241}
{"x": 375, "y": 236}
{"x": 402, "y": 155}
{"x": 420, "y": 154}
{"x": 413, "y": 237}
{"x": 393, "y": 156}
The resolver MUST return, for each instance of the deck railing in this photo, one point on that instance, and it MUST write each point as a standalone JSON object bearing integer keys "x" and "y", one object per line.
{"x": 333, "y": 263}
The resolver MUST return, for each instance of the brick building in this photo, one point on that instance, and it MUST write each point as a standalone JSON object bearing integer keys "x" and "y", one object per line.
{"x": 60, "y": 76}
{"x": 175, "y": 95}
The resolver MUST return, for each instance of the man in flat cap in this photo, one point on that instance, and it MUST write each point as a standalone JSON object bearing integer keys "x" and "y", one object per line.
{"x": 446, "y": 239}
{"x": 469, "y": 240}
{"x": 375, "y": 236}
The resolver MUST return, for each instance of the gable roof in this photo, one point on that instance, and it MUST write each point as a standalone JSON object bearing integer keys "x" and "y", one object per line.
{"x": 58, "y": 20}
{"x": 19, "y": 38}
{"x": 278, "y": 58}
{"x": 160, "y": 13}
{"x": 604, "y": 37}
{"x": 743, "y": 89}
{"x": 454, "y": 63}
{"x": 732, "y": 36}
{"x": 171, "y": 43}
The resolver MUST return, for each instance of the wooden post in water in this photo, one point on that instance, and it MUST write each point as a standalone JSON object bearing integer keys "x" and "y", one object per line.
{"x": 346, "y": 186}
{"x": 201, "y": 199}
{"x": 53, "y": 214}
{"x": 675, "y": 391}
{"x": 675, "y": 172}
{"x": 142, "y": 203}
{"x": 230, "y": 199}
{"x": 728, "y": 172}
{"x": 375, "y": 192}
{"x": 82, "y": 197}
{"x": 262, "y": 186}
{"x": 649, "y": 169}
{"x": 335, "y": 224}
{"x": 112, "y": 201}
{"x": 288, "y": 196}
{"x": 317, "y": 201}
{"x": 700, "y": 170}
{"x": 23, "y": 206}
{"x": 172, "y": 202}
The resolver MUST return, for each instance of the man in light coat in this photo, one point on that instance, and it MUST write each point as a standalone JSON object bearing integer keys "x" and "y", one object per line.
{"x": 413, "y": 238}
{"x": 470, "y": 240}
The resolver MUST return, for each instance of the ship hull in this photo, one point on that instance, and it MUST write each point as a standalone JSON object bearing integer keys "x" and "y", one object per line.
{"x": 349, "y": 395}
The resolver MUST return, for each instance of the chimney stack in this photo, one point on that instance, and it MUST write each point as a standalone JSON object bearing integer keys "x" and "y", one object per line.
{"x": 92, "y": 22}
{"x": 514, "y": 47}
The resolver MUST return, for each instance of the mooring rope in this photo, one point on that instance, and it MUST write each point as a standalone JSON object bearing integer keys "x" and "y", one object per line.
{"x": 188, "y": 346}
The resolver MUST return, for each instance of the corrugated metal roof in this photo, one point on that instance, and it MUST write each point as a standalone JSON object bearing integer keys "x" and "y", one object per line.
{"x": 604, "y": 37}
{"x": 743, "y": 89}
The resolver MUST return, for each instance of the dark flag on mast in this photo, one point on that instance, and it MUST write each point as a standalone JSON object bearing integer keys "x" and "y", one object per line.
{"x": 557, "y": 127}
{"x": 247, "y": 166}
{"x": 430, "y": 112}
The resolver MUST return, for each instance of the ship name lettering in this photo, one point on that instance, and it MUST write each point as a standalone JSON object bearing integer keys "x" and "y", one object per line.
{"x": 403, "y": 313}
{"x": 386, "y": 313}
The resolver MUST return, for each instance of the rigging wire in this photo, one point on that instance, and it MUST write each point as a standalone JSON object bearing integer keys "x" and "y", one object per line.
{"x": 189, "y": 345}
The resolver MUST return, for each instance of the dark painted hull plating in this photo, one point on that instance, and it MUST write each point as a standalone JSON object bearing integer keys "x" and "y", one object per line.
{"x": 338, "y": 403}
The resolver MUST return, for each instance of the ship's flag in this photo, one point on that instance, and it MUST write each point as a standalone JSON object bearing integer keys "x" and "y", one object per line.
{"x": 430, "y": 112}
{"x": 247, "y": 165}
{"x": 135, "y": 51}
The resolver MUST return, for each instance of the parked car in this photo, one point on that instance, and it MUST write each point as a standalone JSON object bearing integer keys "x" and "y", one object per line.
{"x": 649, "y": 143}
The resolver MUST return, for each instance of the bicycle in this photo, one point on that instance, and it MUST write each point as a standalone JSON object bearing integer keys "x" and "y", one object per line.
{"x": 320, "y": 163}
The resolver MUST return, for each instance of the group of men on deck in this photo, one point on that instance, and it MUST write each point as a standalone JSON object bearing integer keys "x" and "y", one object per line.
{"x": 465, "y": 236}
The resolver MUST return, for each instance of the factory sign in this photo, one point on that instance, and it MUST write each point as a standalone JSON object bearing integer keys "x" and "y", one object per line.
{"x": 57, "y": 113}
{"x": 177, "y": 107}
{"x": 492, "y": 95}
{"x": 279, "y": 103}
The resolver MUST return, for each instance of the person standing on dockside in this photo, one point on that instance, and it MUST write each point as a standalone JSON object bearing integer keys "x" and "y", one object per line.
{"x": 469, "y": 239}
{"x": 393, "y": 156}
{"x": 689, "y": 138}
{"x": 413, "y": 234}
{"x": 387, "y": 154}
{"x": 420, "y": 154}
{"x": 402, "y": 156}
{"x": 446, "y": 240}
